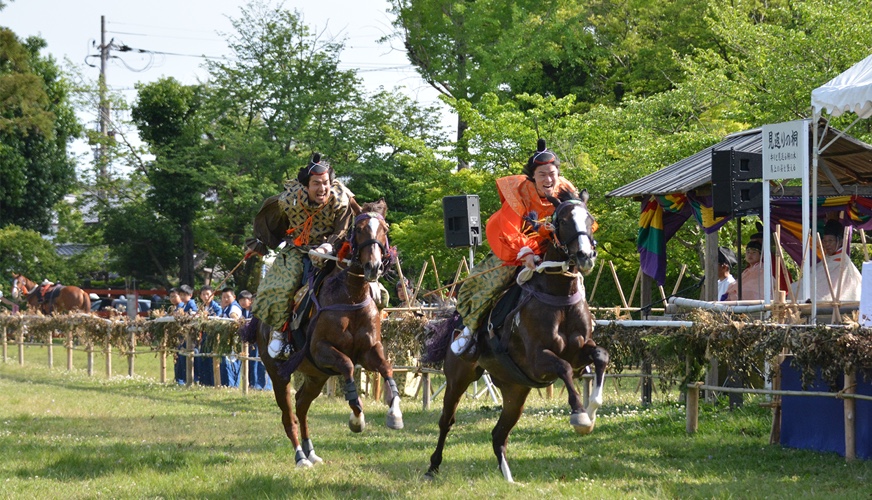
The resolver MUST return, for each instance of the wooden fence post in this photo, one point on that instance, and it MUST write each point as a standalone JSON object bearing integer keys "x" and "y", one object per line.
{"x": 245, "y": 364}
{"x": 69, "y": 350}
{"x": 216, "y": 365}
{"x": 90, "y": 348}
{"x": 376, "y": 386}
{"x": 131, "y": 356}
{"x": 425, "y": 389}
{"x": 850, "y": 430}
{"x": 189, "y": 359}
{"x": 21, "y": 346}
{"x": 692, "y": 408}
{"x": 108, "y": 351}
{"x": 162, "y": 355}
{"x": 50, "y": 350}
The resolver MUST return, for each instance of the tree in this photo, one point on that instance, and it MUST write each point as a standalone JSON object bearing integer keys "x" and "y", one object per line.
{"x": 37, "y": 122}
{"x": 25, "y": 251}
{"x": 167, "y": 115}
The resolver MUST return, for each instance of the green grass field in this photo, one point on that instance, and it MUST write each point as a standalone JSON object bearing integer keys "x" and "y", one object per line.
{"x": 67, "y": 435}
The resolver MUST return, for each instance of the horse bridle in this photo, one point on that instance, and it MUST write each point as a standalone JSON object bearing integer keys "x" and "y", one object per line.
{"x": 562, "y": 244}
{"x": 388, "y": 252}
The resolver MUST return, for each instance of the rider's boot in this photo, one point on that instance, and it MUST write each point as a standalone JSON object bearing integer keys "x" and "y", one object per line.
{"x": 464, "y": 344}
{"x": 279, "y": 348}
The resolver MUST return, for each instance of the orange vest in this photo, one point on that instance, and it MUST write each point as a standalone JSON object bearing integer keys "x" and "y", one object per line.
{"x": 507, "y": 231}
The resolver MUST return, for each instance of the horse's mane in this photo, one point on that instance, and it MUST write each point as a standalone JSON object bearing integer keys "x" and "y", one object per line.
{"x": 379, "y": 207}
{"x": 565, "y": 194}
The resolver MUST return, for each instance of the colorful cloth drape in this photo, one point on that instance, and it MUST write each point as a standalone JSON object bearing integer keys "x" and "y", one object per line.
{"x": 662, "y": 216}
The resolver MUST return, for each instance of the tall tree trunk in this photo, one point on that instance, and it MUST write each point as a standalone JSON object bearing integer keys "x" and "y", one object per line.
{"x": 186, "y": 259}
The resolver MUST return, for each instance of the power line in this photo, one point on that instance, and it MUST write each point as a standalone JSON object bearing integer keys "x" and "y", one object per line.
{"x": 166, "y": 36}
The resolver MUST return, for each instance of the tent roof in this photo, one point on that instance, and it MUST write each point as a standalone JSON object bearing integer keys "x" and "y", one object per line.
{"x": 850, "y": 91}
{"x": 849, "y": 160}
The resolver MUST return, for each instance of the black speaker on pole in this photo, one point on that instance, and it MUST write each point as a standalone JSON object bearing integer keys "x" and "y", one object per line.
{"x": 462, "y": 219}
{"x": 734, "y": 190}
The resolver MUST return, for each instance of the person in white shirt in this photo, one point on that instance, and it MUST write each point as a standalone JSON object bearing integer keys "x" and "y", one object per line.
{"x": 846, "y": 284}
{"x": 726, "y": 261}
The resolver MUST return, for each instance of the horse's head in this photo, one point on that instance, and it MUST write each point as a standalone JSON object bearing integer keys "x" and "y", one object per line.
{"x": 369, "y": 240}
{"x": 573, "y": 229}
{"x": 20, "y": 286}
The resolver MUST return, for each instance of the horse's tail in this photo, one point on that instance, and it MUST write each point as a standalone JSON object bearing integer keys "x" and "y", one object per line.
{"x": 248, "y": 331}
{"x": 436, "y": 347}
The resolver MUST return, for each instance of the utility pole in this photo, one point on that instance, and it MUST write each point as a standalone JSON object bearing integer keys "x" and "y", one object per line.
{"x": 102, "y": 159}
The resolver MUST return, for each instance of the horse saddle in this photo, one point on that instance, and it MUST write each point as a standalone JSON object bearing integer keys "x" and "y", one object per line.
{"x": 506, "y": 304}
{"x": 48, "y": 296}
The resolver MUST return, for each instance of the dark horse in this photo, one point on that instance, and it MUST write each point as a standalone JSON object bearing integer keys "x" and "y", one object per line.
{"x": 58, "y": 298}
{"x": 546, "y": 337}
{"x": 345, "y": 330}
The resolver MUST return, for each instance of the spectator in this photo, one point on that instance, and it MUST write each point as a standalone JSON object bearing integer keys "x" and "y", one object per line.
{"x": 851, "y": 279}
{"x": 726, "y": 261}
{"x": 752, "y": 276}
{"x": 230, "y": 308}
{"x": 245, "y": 300}
{"x": 188, "y": 306}
{"x": 207, "y": 296}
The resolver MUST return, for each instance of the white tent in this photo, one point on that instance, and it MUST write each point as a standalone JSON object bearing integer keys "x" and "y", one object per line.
{"x": 851, "y": 91}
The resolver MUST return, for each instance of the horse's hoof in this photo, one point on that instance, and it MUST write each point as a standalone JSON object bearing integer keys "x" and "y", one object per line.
{"x": 314, "y": 459}
{"x": 395, "y": 422}
{"x": 430, "y": 475}
{"x": 304, "y": 464}
{"x": 581, "y": 422}
{"x": 356, "y": 424}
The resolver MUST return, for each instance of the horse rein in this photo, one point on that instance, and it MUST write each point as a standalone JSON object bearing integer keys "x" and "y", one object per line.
{"x": 388, "y": 253}
{"x": 563, "y": 244}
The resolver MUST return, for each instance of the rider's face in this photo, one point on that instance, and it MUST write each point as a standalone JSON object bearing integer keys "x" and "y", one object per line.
{"x": 319, "y": 188}
{"x": 545, "y": 178}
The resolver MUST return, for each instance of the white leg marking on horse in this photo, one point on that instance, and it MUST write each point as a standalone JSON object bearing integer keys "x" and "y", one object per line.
{"x": 596, "y": 400}
{"x": 357, "y": 421}
{"x": 504, "y": 468}
{"x": 395, "y": 415}
{"x": 314, "y": 459}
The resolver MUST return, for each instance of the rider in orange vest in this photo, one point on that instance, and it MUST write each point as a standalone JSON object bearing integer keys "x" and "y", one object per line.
{"x": 516, "y": 233}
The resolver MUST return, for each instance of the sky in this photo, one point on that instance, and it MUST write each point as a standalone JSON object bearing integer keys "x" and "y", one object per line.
{"x": 185, "y": 30}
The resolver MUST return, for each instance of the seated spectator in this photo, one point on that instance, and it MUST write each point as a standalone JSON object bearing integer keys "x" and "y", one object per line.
{"x": 752, "y": 276}
{"x": 846, "y": 279}
{"x": 726, "y": 261}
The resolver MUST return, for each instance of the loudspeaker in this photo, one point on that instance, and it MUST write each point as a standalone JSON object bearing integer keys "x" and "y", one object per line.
{"x": 733, "y": 190}
{"x": 462, "y": 220}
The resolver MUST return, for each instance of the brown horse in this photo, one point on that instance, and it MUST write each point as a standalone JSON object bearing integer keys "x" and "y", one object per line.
{"x": 57, "y": 298}
{"x": 345, "y": 331}
{"x": 546, "y": 337}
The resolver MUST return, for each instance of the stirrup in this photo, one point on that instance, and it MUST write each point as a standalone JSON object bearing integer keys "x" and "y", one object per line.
{"x": 462, "y": 343}
{"x": 278, "y": 347}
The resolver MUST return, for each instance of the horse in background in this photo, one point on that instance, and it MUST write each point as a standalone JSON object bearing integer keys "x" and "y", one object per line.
{"x": 344, "y": 331}
{"x": 545, "y": 337}
{"x": 55, "y": 298}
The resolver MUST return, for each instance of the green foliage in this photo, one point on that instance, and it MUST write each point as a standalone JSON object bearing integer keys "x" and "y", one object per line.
{"x": 37, "y": 122}
{"x": 24, "y": 251}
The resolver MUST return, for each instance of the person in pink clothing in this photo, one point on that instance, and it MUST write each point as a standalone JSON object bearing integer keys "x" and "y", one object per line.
{"x": 752, "y": 276}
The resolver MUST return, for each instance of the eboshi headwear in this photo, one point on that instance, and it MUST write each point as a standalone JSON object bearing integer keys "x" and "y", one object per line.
{"x": 315, "y": 166}
{"x": 542, "y": 156}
